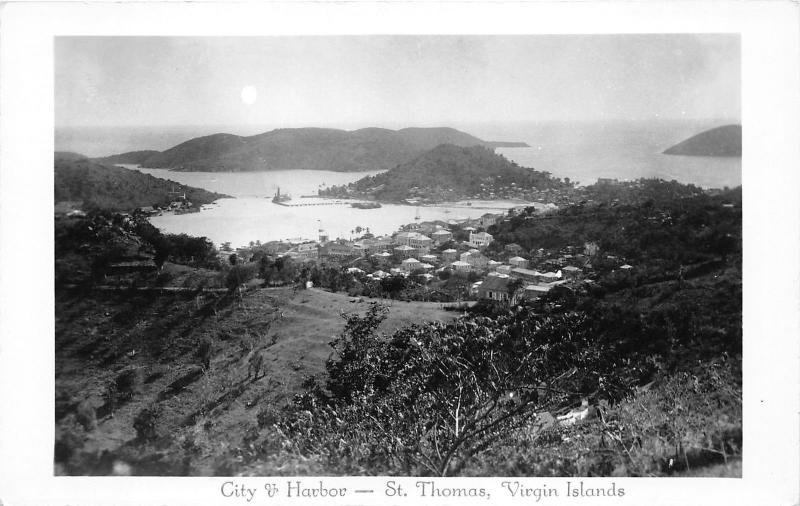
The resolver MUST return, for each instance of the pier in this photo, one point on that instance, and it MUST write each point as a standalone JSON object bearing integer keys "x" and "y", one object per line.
{"x": 285, "y": 204}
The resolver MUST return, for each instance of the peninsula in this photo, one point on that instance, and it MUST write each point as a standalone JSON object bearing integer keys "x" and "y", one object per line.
{"x": 721, "y": 141}
{"x": 84, "y": 183}
{"x": 448, "y": 173}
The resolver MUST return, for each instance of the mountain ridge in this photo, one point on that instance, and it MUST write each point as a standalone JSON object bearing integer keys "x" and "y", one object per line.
{"x": 312, "y": 148}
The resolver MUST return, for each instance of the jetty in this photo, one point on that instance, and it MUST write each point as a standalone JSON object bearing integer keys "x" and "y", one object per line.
{"x": 286, "y": 204}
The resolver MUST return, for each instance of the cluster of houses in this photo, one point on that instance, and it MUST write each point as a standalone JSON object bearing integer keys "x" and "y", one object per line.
{"x": 427, "y": 249}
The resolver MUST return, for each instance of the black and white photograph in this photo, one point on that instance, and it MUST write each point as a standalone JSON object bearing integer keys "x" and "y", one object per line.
{"x": 398, "y": 255}
{"x": 311, "y": 256}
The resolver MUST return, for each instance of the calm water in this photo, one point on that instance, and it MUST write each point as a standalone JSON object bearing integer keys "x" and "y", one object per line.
{"x": 580, "y": 151}
{"x": 252, "y": 215}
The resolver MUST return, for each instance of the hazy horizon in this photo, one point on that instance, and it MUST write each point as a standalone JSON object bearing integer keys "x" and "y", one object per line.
{"x": 95, "y": 141}
{"x": 393, "y": 81}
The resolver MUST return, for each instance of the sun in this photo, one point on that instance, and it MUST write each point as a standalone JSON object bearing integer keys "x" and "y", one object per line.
{"x": 249, "y": 95}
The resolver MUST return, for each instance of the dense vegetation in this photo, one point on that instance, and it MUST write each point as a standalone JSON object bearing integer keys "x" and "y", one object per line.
{"x": 661, "y": 234}
{"x": 449, "y": 172}
{"x": 85, "y": 247}
{"x": 118, "y": 189}
{"x": 721, "y": 141}
{"x": 131, "y": 157}
{"x": 306, "y": 148}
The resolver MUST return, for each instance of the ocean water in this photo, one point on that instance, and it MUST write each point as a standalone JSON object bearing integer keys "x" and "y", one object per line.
{"x": 579, "y": 151}
{"x": 585, "y": 151}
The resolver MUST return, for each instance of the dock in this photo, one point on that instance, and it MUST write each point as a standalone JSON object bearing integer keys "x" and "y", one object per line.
{"x": 285, "y": 204}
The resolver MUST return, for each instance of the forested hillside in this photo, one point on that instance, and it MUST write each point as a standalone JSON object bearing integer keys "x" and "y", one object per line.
{"x": 449, "y": 172}
{"x": 118, "y": 189}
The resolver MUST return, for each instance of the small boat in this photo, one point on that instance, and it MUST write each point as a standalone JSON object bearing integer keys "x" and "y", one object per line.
{"x": 365, "y": 205}
{"x": 278, "y": 198}
{"x": 417, "y": 215}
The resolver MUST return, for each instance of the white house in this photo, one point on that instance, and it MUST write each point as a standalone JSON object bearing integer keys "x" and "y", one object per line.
{"x": 441, "y": 236}
{"x": 410, "y": 264}
{"x": 480, "y": 239}
{"x": 518, "y": 262}
{"x": 460, "y": 266}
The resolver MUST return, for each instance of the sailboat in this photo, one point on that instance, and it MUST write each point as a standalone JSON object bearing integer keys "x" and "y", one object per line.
{"x": 416, "y": 217}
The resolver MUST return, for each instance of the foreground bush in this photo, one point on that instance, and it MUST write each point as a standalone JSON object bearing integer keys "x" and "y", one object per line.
{"x": 461, "y": 399}
{"x": 429, "y": 398}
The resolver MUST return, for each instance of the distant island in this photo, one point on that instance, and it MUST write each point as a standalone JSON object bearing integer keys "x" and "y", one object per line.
{"x": 89, "y": 184}
{"x": 721, "y": 141}
{"x": 303, "y": 148}
{"x": 449, "y": 172}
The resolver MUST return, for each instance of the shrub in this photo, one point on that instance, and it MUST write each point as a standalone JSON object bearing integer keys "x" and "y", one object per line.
{"x": 86, "y": 415}
{"x": 146, "y": 423}
{"x": 204, "y": 353}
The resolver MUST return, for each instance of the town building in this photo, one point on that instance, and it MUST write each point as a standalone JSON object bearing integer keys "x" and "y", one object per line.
{"x": 404, "y": 251}
{"x": 489, "y": 219}
{"x": 410, "y": 264}
{"x": 337, "y": 250}
{"x": 503, "y": 269}
{"x": 533, "y": 292}
{"x": 441, "y": 236}
{"x": 449, "y": 255}
{"x": 304, "y": 251}
{"x": 518, "y": 262}
{"x": 431, "y": 259}
{"x": 366, "y": 247}
{"x": 549, "y": 277}
{"x": 460, "y": 266}
{"x": 480, "y": 239}
{"x": 497, "y": 288}
{"x": 413, "y": 239}
{"x": 526, "y": 275}
{"x": 475, "y": 259}
{"x": 571, "y": 272}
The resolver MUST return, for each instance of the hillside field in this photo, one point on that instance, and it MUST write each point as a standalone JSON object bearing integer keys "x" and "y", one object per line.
{"x": 100, "y": 336}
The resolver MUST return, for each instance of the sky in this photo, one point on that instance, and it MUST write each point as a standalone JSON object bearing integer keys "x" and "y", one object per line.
{"x": 390, "y": 81}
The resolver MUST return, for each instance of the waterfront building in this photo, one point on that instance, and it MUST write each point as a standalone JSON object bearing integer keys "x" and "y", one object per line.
{"x": 304, "y": 251}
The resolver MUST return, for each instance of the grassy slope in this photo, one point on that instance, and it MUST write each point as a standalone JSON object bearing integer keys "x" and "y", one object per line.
{"x": 96, "y": 334}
